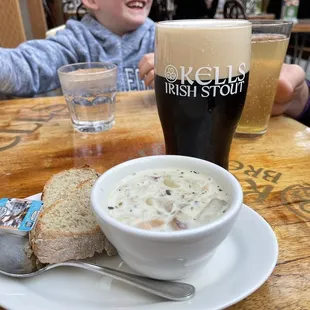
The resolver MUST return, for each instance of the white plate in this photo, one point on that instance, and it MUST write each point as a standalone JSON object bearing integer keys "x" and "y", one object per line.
{"x": 242, "y": 263}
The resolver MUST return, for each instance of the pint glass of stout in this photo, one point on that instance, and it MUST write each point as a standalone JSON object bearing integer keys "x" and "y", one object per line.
{"x": 201, "y": 79}
{"x": 269, "y": 45}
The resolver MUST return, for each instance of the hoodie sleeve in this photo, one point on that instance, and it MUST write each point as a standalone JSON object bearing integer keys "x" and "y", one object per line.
{"x": 304, "y": 118}
{"x": 32, "y": 67}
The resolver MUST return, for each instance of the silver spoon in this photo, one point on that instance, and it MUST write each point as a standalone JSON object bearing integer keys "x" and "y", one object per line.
{"x": 14, "y": 262}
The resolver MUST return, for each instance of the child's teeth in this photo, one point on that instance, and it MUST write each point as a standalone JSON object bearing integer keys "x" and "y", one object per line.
{"x": 135, "y": 4}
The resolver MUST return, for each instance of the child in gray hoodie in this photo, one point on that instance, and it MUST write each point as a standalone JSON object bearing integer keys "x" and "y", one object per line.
{"x": 116, "y": 31}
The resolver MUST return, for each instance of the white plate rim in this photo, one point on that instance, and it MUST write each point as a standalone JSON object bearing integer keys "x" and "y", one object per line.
{"x": 169, "y": 305}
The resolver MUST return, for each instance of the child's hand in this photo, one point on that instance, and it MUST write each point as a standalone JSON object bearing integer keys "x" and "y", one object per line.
{"x": 146, "y": 68}
{"x": 292, "y": 92}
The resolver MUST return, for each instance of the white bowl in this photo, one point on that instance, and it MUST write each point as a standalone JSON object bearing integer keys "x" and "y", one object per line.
{"x": 165, "y": 255}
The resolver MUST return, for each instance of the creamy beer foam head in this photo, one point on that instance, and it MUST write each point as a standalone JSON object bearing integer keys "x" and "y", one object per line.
{"x": 206, "y": 49}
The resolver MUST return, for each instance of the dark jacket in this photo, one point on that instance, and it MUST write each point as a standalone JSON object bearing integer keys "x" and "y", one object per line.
{"x": 190, "y": 9}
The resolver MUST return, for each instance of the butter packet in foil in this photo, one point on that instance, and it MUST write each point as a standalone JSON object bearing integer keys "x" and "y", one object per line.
{"x": 18, "y": 216}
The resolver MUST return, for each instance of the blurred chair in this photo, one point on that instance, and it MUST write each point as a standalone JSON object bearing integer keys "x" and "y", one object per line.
{"x": 73, "y": 9}
{"x": 53, "y": 12}
{"x": 234, "y": 9}
{"x": 21, "y": 21}
{"x": 80, "y": 11}
{"x": 162, "y": 10}
{"x": 212, "y": 7}
{"x": 12, "y": 31}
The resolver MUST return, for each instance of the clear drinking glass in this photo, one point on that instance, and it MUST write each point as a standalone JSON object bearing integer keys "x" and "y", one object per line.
{"x": 269, "y": 45}
{"x": 90, "y": 91}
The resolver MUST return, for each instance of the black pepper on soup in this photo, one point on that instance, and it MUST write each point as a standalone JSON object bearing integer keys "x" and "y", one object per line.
{"x": 167, "y": 200}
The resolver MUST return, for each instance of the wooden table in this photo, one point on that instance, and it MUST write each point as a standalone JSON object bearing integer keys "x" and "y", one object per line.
{"x": 37, "y": 140}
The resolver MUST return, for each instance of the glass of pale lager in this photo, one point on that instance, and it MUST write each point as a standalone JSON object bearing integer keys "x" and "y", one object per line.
{"x": 269, "y": 45}
{"x": 201, "y": 80}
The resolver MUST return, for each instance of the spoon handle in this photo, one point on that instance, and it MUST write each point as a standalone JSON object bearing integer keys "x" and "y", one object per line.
{"x": 170, "y": 290}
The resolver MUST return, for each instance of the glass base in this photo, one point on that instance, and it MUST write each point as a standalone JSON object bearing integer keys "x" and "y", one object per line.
{"x": 249, "y": 135}
{"x": 93, "y": 127}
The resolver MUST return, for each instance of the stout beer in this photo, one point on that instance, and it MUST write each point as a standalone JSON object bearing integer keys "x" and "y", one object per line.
{"x": 201, "y": 80}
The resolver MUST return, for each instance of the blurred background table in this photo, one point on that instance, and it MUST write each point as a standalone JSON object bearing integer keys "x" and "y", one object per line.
{"x": 37, "y": 140}
{"x": 301, "y": 39}
{"x": 263, "y": 16}
{"x": 303, "y": 25}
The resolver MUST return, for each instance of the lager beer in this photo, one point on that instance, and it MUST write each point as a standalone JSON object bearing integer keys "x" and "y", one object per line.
{"x": 268, "y": 52}
{"x": 269, "y": 46}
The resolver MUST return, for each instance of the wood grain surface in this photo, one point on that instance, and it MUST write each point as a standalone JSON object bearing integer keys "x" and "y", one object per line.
{"x": 37, "y": 140}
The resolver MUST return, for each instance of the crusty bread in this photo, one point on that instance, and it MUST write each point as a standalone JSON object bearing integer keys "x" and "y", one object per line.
{"x": 66, "y": 228}
{"x": 64, "y": 182}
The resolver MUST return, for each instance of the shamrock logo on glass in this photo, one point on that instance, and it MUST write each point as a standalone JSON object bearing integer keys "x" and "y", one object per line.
{"x": 171, "y": 73}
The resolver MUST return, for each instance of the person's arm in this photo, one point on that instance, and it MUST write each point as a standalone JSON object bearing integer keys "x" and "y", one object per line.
{"x": 292, "y": 93}
{"x": 146, "y": 68}
{"x": 32, "y": 67}
{"x": 304, "y": 117}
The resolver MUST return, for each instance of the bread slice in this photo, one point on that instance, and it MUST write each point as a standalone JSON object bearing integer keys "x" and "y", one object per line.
{"x": 66, "y": 228}
{"x": 64, "y": 182}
